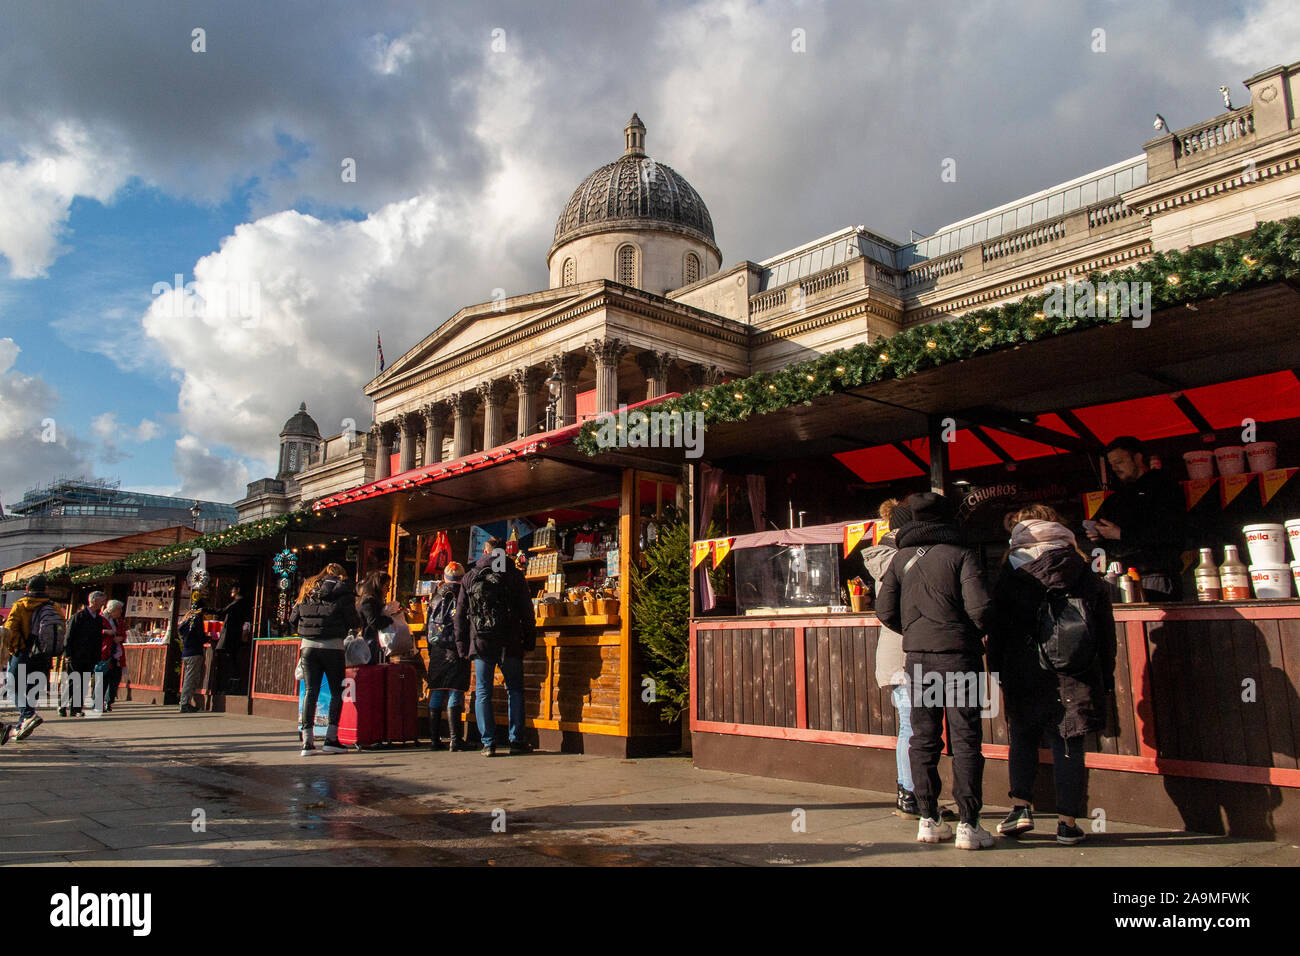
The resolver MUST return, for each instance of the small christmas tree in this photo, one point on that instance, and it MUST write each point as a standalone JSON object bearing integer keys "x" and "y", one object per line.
{"x": 661, "y": 610}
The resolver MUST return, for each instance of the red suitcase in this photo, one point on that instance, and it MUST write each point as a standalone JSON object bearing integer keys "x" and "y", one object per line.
{"x": 401, "y": 702}
{"x": 362, "y": 721}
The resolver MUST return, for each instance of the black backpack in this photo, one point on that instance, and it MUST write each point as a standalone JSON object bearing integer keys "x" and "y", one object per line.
{"x": 46, "y": 638}
{"x": 491, "y": 604}
{"x": 1066, "y": 634}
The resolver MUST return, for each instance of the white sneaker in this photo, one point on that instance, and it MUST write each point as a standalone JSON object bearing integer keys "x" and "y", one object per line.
{"x": 333, "y": 747}
{"x": 932, "y": 831}
{"x": 973, "y": 837}
{"x": 309, "y": 749}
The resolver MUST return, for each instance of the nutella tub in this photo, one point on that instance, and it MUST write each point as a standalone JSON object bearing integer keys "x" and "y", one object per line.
{"x": 1200, "y": 464}
{"x": 1231, "y": 459}
{"x": 1262, "y": 455}
{"x": 1271, "y": 580}
{"x": 1266, "y": 543}
{"x": 1293, "y": 533}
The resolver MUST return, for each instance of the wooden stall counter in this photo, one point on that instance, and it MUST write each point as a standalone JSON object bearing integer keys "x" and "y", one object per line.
{"x": 146, "y": 672}
{"x": 1205, "y": 720}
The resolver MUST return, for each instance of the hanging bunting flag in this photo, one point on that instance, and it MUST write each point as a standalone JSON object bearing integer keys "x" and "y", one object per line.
{"x": 1271, "y": 482}
{"x": 720, "y": 548}
{"x": 1194, "y": 490}
{"x": 853, "y": 533}
{"x": 700, "y": 552}
{"x": 1232, "y": 485}
{"x": 878, "y": 531}
{"x": 1092, "y": 501}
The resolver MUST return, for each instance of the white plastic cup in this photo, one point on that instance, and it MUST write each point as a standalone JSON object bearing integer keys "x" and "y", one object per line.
{"x": 1262, "y": 455}
{"x": 1271, "y": 580}
{"x": 1293, "y": 533}
{"x": 1266, "y": 543}
{"x": 1231, "y": 459}
{"x": 1200, "y": 464}
{"x": 1295, "y": 575}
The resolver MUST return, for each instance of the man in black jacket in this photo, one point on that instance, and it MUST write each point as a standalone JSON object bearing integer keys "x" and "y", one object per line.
{"x": 1143, "y": 522}
{"x": 933, "y": 593}
{"x": 81, "y": 650}
{"x": 233, "y": 617}
{"x": 495, "y": 627}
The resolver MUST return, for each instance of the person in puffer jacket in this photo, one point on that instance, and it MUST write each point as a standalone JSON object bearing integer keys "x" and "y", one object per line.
{"x": 934, "y": 594}
{"x": 1040, "y": 701}
{"x": 889, "y": 655}
{"x": 325, "y": 612}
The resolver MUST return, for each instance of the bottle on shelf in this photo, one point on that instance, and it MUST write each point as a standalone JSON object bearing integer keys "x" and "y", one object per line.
{"x": 1208, "y": 584}
{"x": 1113, "y": 575}
{"x": 1131, "y": 586}
{"x": 1234, "y": 579}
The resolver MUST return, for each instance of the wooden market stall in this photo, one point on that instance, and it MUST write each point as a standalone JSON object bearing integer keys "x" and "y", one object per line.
{"x": 582, "y": 683}
{"x": 1205, "y": 729}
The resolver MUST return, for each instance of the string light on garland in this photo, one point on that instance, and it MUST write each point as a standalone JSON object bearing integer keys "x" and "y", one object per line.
{"x": 1173, "y": 280}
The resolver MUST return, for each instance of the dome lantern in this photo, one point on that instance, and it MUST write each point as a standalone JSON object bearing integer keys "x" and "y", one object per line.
{"x": 634, "y": 135}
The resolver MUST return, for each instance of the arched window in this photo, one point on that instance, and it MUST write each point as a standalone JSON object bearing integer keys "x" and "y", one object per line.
{"x": 692, "y": 270}
{"x": 570, "y": 272}
{"x": 627, "y": 265}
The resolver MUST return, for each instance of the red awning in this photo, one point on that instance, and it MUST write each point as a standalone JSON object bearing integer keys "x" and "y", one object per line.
{"x": 1227, "y": 405}
{"x": 479, "y": 460}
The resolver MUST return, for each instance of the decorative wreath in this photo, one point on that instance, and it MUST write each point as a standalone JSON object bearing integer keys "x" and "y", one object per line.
{"x": 285, "y": 563}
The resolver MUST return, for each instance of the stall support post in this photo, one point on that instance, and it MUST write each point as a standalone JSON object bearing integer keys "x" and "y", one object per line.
{"x": 939, "y": 477}
{"x": 692, "y": 470}
{"x": 392, "y": 561}
{"x": 628, "y": 520}
{"x": 172, "y": 659}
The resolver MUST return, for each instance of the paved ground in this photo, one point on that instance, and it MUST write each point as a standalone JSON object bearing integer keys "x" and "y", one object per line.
{"x": 126, "y": 788}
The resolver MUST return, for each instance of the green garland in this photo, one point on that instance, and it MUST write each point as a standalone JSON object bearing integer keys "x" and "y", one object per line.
{"x": 1269, "y": 254}
{"x": 168, "y": 554}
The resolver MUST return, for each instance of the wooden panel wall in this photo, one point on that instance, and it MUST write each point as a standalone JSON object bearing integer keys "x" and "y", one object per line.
{"x": 146, "y": 666}
{"x": 746, "y": 676}
{"x": 273, "y": 676}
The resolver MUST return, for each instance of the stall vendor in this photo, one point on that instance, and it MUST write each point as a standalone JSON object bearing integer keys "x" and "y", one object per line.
{"x": 1142, "y": 523}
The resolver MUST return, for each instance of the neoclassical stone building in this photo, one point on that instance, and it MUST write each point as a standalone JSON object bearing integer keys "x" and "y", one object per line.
{"x": 640, "y": 302}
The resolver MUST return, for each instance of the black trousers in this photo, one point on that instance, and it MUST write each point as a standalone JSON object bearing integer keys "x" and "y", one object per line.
{"x": 321, "y": 664}
{"x": 1068, "y": 771}
{"x": 942, "y": 685}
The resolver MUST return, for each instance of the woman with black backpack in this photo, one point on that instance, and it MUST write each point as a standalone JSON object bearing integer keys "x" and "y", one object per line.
{"x": 448, "y": 671}
{"x": 325, "y": 612}
{"x": 1052, "y": 648}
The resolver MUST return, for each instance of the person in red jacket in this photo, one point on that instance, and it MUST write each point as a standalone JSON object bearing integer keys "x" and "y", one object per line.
{"x": 112, "y": 652}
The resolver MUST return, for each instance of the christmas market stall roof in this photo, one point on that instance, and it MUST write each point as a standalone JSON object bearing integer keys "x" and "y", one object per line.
{"x": 529, "y": 475}
{"x": 236, "y": 546}
{"x": 1025, "y": 380}
{"x": 60, "y": 564}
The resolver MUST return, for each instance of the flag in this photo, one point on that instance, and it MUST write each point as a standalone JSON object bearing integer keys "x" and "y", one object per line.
{"x": 379, "y": 351}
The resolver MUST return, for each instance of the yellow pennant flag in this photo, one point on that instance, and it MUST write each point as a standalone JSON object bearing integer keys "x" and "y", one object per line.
{"x": 701, "y": 551}
{"x": 1092, "y": 501}
{"x": 1194, "y": 490}
{"x": 720, "y": 548}
{"x": 853, "y": 533}
{"x": 1232, "y": 485}
{"x": 1271, "y": 482}
{"x": 878, "y": 531}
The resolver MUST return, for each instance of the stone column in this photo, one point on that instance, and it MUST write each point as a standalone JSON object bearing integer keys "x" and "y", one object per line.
{"x": 462, "y": 408}
{"x": 409, "y": 423}
{"x": 607, "y": 353}
{"x": 655, "y": 366}
{"x": 435, "y": 426}
{"x": 493, "y": 394}
{"x": 383, "y": 449}
{"x": 702, "y": 376}
{"x": 568, "y": 366}
{"x": 526, "y": 382}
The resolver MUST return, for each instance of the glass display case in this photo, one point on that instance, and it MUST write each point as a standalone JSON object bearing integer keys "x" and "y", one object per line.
{"x": 789, "y": 579}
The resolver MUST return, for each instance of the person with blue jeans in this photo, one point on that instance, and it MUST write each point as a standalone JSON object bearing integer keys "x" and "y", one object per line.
{"x": 27, "y": 657}
{"x": 890, "y": 658}
{"x": 448, "y": 675}
{"x": 494, "y": 628}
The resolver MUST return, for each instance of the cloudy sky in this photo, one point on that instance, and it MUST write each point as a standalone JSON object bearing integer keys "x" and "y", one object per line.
{"x": 130, "y": 157}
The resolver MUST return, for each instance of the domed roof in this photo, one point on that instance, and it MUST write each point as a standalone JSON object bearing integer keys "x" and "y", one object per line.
{"x": 301, "y": 424}
{"x": 634, "y": 190}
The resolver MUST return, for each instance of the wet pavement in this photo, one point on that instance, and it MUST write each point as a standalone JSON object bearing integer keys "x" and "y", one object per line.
{"x": 147, "y": 785}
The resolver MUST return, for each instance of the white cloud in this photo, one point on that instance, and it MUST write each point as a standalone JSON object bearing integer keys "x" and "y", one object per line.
{"x": 204, "y": 474}
{"x": 1269, "y": 34}
{"x": 114, "y": 435}
{"x": 325, "y": 288}
{"x": 34, "y": 447}
{"x": 387, "y": 56}
{"x": 39, "y": 190}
